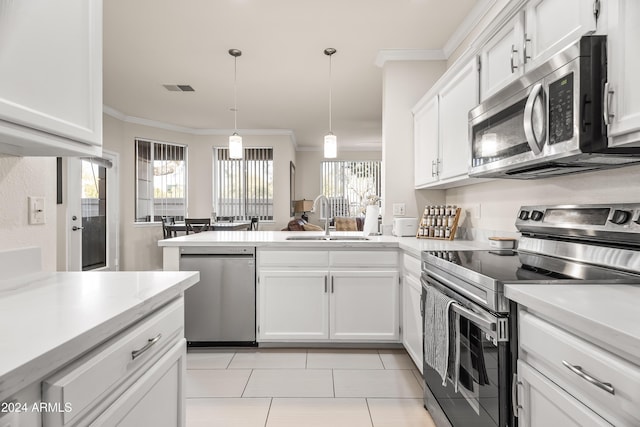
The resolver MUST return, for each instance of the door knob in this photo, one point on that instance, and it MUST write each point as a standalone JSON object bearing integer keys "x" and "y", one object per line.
{"x": 76, "y": 228}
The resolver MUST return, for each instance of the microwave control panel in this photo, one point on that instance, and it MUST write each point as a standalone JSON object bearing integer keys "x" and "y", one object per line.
{"x": 561, "y": 109}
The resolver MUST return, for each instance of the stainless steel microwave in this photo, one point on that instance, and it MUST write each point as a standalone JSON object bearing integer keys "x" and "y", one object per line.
{"x": 549, "y": 122}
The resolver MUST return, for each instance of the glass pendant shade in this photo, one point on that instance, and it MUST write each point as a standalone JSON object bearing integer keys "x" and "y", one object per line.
{"x": 330, "y": 146}
{"x": 235, "y": 146}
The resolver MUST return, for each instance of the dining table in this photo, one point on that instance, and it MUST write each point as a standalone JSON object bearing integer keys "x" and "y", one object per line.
{"x": 173, "y": 229}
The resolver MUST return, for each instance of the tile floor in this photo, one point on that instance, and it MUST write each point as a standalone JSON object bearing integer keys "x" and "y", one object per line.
{"x": 303, "y": 388}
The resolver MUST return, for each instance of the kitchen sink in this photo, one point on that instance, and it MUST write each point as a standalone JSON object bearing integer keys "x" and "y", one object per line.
{"x": 328, "y": 238}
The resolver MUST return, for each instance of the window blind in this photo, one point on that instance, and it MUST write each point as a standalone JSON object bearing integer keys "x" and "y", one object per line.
{"x": 243, "y": 188}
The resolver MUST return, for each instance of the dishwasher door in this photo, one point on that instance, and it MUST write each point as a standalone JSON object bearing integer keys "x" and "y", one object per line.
{"x": 221, "y": 308}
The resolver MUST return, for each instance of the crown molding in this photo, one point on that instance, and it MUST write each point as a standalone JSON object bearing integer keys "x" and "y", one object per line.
{"x": 470, "y": 22}
{"x": 196, "y": 131}
{"x": 385, "y": 55}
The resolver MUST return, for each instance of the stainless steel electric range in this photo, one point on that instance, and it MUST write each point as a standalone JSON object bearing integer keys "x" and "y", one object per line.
{"x": 568, "y": 244}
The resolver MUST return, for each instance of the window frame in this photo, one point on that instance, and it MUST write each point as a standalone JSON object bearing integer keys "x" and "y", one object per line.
{"x": 333, "y": 203}
{"x": 215, "y": 189}
{"x": 153, "y": 143}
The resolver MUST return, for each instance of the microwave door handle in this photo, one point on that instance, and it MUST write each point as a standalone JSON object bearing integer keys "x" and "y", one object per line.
{"x": 536, "y": 148}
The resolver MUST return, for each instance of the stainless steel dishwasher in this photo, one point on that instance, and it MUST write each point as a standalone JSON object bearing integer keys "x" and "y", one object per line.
{"x": 221, "y": 309}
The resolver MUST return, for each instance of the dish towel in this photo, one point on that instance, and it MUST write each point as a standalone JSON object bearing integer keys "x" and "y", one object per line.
{"x": 436, "y": 332}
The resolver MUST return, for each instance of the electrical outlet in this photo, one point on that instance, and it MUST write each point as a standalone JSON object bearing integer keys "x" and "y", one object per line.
{"x": 399, "y": 209}
{"x": 36, "y": 210}
{"x": 474, "y": 211}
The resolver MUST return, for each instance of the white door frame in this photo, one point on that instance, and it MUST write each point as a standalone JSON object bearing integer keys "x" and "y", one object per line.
{"x": 74, "y": 191}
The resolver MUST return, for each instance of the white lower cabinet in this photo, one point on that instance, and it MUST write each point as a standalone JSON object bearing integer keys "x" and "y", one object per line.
{"x": 364, "y": 306}
{"x": 339, "y": 296}
{"x": 411, "y": 309}
{"x": 134, "y": 379}
{"x": 293, "y": 305}
{"x": 544, "y": 404}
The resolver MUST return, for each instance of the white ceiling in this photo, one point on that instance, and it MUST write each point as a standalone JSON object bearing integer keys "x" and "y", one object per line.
{"x": 283, "y": 74}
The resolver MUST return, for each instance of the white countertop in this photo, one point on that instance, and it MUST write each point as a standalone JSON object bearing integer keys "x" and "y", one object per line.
{"x": 263, "y": 239}
{"x": 52, "y": 318}
{"x": 607, "y": 315}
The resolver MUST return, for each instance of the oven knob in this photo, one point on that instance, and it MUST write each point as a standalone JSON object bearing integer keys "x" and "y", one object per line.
{"x": 620, "y": 217}
{"x": 524, "y": 215}
{"x": 536, "y": 215}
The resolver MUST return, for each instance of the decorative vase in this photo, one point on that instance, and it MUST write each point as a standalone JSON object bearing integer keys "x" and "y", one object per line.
{"x": 371, "y": 220}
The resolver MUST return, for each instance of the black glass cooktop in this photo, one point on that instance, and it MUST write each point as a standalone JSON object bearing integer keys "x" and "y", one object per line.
{"x": 509, "y": 266}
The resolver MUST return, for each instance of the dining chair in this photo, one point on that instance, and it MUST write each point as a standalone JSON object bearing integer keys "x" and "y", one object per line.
{"x": 197, "y": 225}
{"x": 253, "y": 225}
{"x": 166, "y": 231}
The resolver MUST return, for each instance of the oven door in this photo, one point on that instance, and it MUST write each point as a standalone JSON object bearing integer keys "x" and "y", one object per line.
{"x": 483, "y": 395}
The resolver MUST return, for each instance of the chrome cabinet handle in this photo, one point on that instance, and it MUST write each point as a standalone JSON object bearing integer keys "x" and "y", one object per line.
{"x": 532, "y": 140}
{"x": 433, "y": 164}
{"x": 514, "y": 395}
{"x": 331, "y": 284}
{"x": 514, "y": 67}
{"x": 76, "y": 228}
{"x": 137, "y": 353}
{"x": 582, "y": 374}
{"x": 606, "y": 110}
{"x": 325, "y": 283}
{"x": 524, "y": 48}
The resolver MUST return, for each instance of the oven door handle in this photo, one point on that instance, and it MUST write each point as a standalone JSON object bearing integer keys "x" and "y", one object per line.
{"x": 485, "y": 323}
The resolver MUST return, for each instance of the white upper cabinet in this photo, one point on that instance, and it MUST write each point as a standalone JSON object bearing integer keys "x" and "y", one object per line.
{"x": 441, "y": 136}
{"x": 540, "y": 30}
{"x": 51, "y": 77}
{"x": 623, "y": 98}
{"x": 425, "y": 140}
{"x": 457, "y": 97}
{"x": 500, "y": 58}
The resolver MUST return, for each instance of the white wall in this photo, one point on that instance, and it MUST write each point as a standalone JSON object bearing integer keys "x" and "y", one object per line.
{"x": 404, "y": 83}
{"x": 139, "y": 242}
{"x": 21, "y": 177}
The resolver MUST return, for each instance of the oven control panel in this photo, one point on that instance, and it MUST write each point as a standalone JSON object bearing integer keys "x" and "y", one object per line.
{"x": 607, "y": 222}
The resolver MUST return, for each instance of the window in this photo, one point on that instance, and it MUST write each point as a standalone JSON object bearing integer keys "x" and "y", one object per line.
{"x": 161, "y": 180}
{"x": 243, "y": 188}
{"x": 348, "y": 185}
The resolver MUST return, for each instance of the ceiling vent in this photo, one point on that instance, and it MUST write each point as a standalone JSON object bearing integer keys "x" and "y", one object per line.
{"x": 179, "y": 88}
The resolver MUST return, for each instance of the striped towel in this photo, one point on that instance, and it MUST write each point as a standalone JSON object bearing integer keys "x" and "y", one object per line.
{"x": 436, "y": 331}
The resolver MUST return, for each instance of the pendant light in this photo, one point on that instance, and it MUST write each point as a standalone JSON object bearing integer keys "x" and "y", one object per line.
{"x": 235, "y": 140}
{"x": 330, "y": 140}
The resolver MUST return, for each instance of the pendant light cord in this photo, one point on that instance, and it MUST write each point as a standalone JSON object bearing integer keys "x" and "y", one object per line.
{"x": 235, "y": 94}
{"x": 330, "y": 79}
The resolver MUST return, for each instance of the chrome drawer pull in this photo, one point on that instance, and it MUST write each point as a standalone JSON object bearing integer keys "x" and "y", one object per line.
{"x": 578, "y": 371}
{"x": 137, "y": 353}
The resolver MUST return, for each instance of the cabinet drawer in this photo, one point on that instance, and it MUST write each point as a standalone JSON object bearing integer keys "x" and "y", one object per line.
{"x": 363, "y": 259}
{"x": 300, "y": 258}
{"x": 91, "y": 380}
{"x": 411, "y": 265}
{"x": 575, "y": 364}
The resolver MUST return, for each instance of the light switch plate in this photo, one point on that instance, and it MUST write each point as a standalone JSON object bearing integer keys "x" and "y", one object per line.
{"x": 399, "y": 209}
{"x": 36, "y": 210}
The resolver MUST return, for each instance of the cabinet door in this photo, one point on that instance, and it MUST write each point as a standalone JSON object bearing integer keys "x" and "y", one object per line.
{"x": 551, "y": 25}
{"x": 624, "y": 63}
{"x": 364, "y": 306}
{"x": 501, "y": 58}
{"x": 456, "y": 99}
{"x": 412, "y": 319}
{"x": 156, "y": 399}
{"x": 543, "y": 404}
{"x": 425, "y": 140}
{"x": 51, "y": 72}
{"x": 293, "y": 305}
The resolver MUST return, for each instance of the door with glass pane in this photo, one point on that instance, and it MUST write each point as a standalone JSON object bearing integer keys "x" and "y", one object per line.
{"x": 92, "y": 209}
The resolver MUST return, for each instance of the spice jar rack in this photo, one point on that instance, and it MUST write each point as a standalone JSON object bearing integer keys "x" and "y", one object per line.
{"x": 439, "y": 222}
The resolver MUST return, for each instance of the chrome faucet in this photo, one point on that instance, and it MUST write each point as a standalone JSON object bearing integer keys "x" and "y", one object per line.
{"x": 322, "y": 198}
